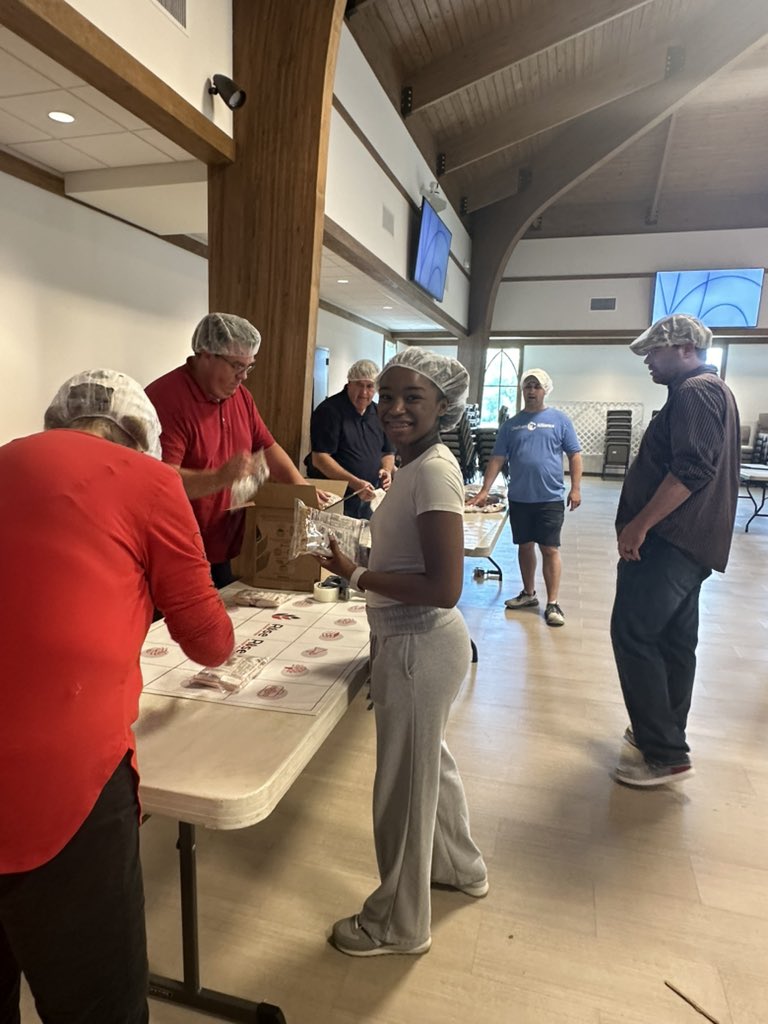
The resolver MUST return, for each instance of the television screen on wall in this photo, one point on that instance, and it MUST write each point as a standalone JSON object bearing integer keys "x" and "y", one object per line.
{"x": 719, "y": 298}
{"x": 432, "y": 251}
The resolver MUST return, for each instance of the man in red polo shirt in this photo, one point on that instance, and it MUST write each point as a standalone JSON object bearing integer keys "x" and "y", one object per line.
{"x": 211, "y": 428}
{"x": 93, "y": 534}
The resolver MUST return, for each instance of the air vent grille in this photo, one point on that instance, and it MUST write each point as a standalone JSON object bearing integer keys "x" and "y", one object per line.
{"x": 602, "y": 303}
{"x": 177, "y": 10}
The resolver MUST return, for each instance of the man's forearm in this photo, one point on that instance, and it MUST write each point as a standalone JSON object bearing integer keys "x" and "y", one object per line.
{"x": 669, "y": 495}
{"x": 492, "y": 470}
{"x": 330, "y": 468}
{"x": 281, "y": 467}
{"x": 200, "y": 482}
{"x": 575, "y": 466}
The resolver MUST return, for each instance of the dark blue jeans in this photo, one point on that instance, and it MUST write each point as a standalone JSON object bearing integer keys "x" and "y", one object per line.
{"x": 75, "y": 925}
{"x": 654, "y": 631}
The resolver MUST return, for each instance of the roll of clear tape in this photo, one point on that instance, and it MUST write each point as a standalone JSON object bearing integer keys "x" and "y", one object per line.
{"x": 326, "y": 594}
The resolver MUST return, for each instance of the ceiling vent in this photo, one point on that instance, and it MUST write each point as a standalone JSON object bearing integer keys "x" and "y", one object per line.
{"x": 602, "y": 303}
{"x": 177, "y": 10}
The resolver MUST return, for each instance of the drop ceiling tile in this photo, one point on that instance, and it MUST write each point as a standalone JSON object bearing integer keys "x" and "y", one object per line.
{"x": 57, "y": 155}
{"x": 154, "y": 138}
{"x": 33, "y": 58}
{"x": 13, "y": 130}
{"x": 34, "y": 109}
{"x": 119, "y": 150}
{"x": 17, "y": 78}
{"x": 109, "y": 108}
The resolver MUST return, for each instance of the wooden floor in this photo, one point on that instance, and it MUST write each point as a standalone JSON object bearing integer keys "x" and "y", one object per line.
{"x": 598, "y": 893}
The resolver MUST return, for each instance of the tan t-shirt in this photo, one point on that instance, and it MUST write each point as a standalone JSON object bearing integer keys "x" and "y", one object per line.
{"x": 431, "y": 483}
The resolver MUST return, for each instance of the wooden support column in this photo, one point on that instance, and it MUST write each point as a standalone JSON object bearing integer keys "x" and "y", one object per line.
{"x": 265, "y": 211}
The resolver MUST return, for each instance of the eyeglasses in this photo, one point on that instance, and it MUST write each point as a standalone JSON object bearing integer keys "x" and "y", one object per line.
{"x": 237, "y": 368}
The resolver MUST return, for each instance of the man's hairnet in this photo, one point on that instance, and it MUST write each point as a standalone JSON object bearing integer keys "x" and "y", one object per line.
{"x": 678, "y": 329}
{"x": 108, "y": 395}
{"x": 447, "y": 374}
{"x": 221, "y": 333}
{"x": 542, "y": 377}
{"x": 363, "y": 369}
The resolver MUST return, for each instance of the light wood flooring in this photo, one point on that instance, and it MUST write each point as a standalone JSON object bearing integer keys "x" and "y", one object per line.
{"x": 598, "y": 893}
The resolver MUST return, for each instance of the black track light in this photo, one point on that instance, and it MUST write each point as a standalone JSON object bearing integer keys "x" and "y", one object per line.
{"x": 229, "y": 91}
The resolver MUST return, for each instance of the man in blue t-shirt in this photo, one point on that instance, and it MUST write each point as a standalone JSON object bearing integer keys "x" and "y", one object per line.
{"x": 532, "y": 443}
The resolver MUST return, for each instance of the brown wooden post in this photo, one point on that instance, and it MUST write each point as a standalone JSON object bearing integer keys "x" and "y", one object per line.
{"x": 265, "y": 211}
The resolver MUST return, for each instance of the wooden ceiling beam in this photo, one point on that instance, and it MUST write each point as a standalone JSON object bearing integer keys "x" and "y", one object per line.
{"x": 62, "y": 33}
{"x": 652, "y": 216}
{"x": 591, "y": 141}
{"x": 549, "y": 23}
{"x": 570, "y": 100}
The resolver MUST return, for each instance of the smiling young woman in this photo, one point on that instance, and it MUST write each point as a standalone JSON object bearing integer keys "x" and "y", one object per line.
{"x": 420, "y": 652}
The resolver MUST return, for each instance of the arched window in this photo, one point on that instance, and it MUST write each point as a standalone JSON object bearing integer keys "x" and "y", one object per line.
{"x": 499, "y": 384}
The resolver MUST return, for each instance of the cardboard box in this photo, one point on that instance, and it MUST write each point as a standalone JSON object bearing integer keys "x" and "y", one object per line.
{"x": 264, "y": 561}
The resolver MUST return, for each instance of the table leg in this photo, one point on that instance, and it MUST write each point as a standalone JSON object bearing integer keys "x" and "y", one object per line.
{"x": 189, "y": 992}
{"x": 758, "y": 508}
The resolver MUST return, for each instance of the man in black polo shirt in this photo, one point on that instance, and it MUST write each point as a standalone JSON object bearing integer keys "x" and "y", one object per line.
{"x": 348, "y": 442}
{"x": 674, "y": 525}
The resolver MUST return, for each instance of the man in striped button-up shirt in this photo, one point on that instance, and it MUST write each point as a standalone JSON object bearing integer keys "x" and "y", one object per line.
{"x": 674, "y": 525}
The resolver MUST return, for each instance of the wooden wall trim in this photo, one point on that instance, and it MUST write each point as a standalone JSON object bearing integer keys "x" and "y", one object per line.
{"x": 17, "y": 168}
{"x": 347, "y": 247}
{"x": 62, "y": 33}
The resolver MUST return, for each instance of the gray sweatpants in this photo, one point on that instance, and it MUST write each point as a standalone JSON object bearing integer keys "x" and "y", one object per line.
{"x": 420, "y": 657}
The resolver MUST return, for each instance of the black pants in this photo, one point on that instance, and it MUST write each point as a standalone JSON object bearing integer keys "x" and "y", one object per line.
{"x": 221, "y": 574}
{"x": 654, "y": 631}
{"x": 75, "y": 925}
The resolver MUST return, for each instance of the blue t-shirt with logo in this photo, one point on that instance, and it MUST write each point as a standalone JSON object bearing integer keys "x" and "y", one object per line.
{"x": 533, "y": 443}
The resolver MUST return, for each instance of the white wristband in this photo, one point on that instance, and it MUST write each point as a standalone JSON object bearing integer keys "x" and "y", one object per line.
{"x": 354, "y": 579}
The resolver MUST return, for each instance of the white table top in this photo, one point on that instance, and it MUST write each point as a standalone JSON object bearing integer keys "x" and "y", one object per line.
{"x": 754, "y": 471}
{"x": 481, "y": 531}
{"x": 228, "y": 767}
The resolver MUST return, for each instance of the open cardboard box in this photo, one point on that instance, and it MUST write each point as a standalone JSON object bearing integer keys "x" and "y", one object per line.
{"x": 264, "y": 561}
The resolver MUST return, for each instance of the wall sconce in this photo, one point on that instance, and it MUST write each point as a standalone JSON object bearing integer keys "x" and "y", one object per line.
{"x": 229, "y": 91}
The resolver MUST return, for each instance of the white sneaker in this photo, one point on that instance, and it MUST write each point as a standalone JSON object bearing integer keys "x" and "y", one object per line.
{"x": 554, "y": 615}
{"x": 523, "y": 600}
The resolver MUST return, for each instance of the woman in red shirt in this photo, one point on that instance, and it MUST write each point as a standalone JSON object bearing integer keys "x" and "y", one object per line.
{"x": 93, "y": 535}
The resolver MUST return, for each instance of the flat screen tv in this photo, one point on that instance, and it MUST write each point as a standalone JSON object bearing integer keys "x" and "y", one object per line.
{"x": 432, "y": 250}
{"x": 719, "y": 298}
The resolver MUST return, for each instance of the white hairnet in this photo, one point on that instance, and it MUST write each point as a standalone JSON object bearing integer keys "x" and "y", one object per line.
{"x": 220, "y": 333}
{"x": 363, "y": 369}
{"x": 542, "y": 377}
{"x": 679, "y": 329}
{"x": 447, "y": 374}
{"x": 109, "y": 395}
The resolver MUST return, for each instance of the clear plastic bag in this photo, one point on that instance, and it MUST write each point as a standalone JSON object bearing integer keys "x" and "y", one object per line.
{"x": 313, "y": 529}
{"x": 243, "y": 490}
{"x": 230, "y": 677}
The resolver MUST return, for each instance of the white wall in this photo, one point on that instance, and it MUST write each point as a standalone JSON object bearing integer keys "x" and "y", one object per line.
{"x": 348, "y": 342}
{"x": 358, "y": 190}
{"x": 564, "y": 305}
{"x": 184, "y": 59}
{"x": 596, "y": 373}
{"x": 747, "y": 376}
{"x": 81, "y": 290}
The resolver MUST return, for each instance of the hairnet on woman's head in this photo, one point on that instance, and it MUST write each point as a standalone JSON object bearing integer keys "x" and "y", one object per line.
{"x": 108, "y": 395}
{"x": 363, "y": 369}
{"x": 447, "y": 374}
{"x": 221, "y": 333}
{"x": 542, "y": 377}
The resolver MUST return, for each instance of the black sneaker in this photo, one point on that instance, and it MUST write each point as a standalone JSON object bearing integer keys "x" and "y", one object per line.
{"x": 553, "y": 615}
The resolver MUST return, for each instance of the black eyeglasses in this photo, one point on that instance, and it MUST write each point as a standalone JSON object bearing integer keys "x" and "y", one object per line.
{"x": 238, "y": 368}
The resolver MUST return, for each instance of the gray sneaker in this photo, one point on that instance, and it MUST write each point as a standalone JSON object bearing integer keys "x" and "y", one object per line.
{"x": 523, "y": 600}
{"x": 642, "y": 775}
{"x": 349, "y": 936}
{"x": 553, "y": 615}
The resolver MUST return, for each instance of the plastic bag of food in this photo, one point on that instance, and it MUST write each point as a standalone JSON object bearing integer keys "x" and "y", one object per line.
{"x": 243, "y": 490}
{"x": 230, "y": 677}
{"x": 313, "y": 529}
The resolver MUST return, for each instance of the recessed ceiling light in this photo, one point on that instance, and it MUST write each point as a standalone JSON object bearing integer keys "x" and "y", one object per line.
{"x": 386, "y": 307}
{"x": 342, "y": 280}
{"x": 59, "y": 115}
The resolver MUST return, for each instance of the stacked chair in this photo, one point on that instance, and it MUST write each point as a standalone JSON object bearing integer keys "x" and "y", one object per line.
{"x": 461, "y": 443}
{"x": 618, "y": 442}
{"x": 485, "y": 439}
